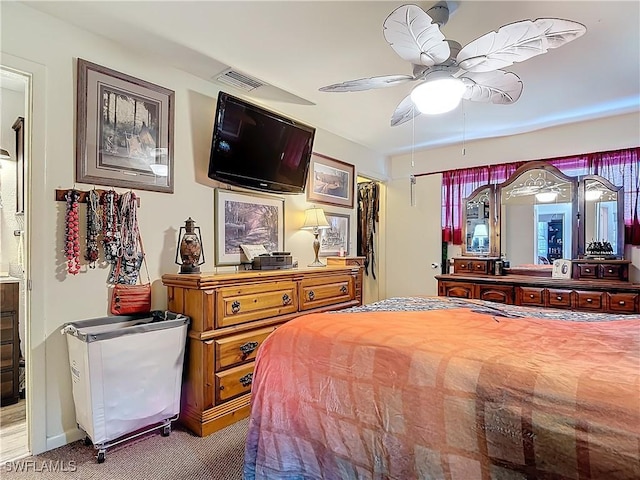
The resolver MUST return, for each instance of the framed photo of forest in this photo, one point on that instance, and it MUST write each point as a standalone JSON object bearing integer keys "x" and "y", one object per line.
{"x": 124, "y": 130}
{"x": 242, "y": 218}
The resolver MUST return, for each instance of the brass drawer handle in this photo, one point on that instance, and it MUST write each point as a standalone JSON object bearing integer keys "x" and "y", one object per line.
{"x": 589, "y": 300}
{"x": 248, "y": 347}
{"x": 343, "y": 289}
{"x": 235, "y": 307}
{"x": 479, "y": 266}
{"x": 610, "y": 271}
{"x": 311, "y": 295}
{"x": 588, "y": 270}
{"x": 246, "y": 380}
{"x": 531, "y": 295}
{"x": 286, "y": 299}
{"x": 463, "y": 265}
{"x": 621, "y": 302}
{"x": 559, "y": 297}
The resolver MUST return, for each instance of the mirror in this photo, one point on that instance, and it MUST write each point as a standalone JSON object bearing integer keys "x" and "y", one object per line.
{"x": 538, "y": 216}
{"x": 478, "y": 231}
{"x": 603, "y": 218}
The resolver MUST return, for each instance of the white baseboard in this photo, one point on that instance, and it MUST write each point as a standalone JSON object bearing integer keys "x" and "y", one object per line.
{"x": 63, "y": 439}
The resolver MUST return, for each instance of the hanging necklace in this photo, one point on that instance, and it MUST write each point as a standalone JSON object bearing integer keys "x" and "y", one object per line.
{"x": 72, "y": 240}
{"x": 110, "y": 226}
{"x": 94, "y": 225}
{"x": 129, "y": 225}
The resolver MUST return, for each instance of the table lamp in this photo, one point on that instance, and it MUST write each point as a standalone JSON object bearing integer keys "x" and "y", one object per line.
{"x": 315, "y": 220}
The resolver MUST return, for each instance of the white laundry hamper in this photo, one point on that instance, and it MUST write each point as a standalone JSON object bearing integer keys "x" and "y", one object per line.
{"x": 126, "y": 373}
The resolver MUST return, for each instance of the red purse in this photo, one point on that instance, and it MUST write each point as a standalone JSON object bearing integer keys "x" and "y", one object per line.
{"x": 131, "y": 299}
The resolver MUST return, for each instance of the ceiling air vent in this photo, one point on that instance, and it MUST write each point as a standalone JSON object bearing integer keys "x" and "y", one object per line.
{"x": 239, "y": 80}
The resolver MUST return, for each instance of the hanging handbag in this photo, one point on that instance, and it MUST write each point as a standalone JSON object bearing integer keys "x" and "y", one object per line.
{"x": 130, "y": 299}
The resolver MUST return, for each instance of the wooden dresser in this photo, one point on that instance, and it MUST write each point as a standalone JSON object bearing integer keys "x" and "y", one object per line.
{"x": 9, "y": 342}
{"x": 231, "y": 315}
{"x": 351, "y": 261}
{"x": 600, "y": 295}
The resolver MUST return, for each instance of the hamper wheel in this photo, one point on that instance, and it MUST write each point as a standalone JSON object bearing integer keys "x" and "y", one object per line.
{"x": 166, "y": 430}
{"x": 87, "y": 441}
{"x": 101, "y": 456}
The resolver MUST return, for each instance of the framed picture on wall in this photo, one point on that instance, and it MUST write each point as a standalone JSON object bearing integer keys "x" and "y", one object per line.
{"x": 243, "y": 218}
{"x": 124, "y": 130}
{"x": 330, "y": 181}
{"x": 18, "y": 126}
{"x": 335, "y": 239}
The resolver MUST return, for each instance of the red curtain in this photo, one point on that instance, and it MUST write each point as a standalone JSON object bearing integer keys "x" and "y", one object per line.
{"x": 620, "y": 167}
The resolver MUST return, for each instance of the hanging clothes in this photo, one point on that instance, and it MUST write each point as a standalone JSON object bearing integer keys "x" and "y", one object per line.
{"x": 368, "y": 204}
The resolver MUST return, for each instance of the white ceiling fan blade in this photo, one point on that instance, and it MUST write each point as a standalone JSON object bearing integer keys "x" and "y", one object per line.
{"x": 368, "y": 83}
{"x": 515, "y": 42}
{"x": 559, "y": 31}
{"x": 404, "y": 112}
{"x": 498, "y": 87}
{"x": 413, "y": 35}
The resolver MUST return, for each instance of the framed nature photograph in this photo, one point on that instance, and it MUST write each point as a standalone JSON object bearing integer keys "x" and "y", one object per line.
{"x": 330, "y": 181}
{"x": 243, "y": 218}
{"x": 124, "y": 130}
{"x": 335, "y": 239}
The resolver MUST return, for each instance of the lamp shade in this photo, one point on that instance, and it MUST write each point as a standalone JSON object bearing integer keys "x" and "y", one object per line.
{"x": 315, "y": 218}
{"x": 439, "y": 93}
{"x": 4, "y": 154}
{"x": 591, "y": 195}
{"x": 481, "y": 230}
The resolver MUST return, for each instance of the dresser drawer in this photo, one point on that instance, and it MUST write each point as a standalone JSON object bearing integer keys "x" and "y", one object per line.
{"x": 588, "y": 270}
{"x": 7, "y": 327}
{"x": 9, "y": 293}
{"x": 7, "y": 387}
{"x": 455, "y": 289}
{"x": 318, "y": 292}
{"x": 6, "y": 355}
{"x": 243, "y": 304}
{"x": 234, "y": 382}
{"x": 623, "y": 302}
{"x": 531, "y": 296}
{"x": 477, "y": 267}
{"x": 559, "y": 298}
{"x": 496, "y": 293}
{"x": 239, "y": 349}
{"x": 613, "y": 272}
{"x": 590, "y": 300}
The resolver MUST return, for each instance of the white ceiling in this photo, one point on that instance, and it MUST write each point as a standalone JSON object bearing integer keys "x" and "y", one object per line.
{"x": 299, "y": 47}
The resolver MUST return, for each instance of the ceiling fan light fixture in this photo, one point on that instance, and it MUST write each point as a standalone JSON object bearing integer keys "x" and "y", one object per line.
{"x": 438, "y": 94}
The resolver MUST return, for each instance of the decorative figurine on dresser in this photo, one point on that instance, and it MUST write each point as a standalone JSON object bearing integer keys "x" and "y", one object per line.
{"x": 534, "y": 216}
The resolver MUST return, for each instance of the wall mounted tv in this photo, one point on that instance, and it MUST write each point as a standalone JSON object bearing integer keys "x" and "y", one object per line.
{"x": 258, "y": 149}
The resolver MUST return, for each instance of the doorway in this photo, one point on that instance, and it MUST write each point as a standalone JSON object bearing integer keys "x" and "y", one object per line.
{"x": 15, "y": 100}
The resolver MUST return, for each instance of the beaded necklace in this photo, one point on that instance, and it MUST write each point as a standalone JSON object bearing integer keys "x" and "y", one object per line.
{"x": 110, "y": 226}
{"x": 94, "y": 225}
{"x": 129, "y": 225}
{"x": 72, "y": 237}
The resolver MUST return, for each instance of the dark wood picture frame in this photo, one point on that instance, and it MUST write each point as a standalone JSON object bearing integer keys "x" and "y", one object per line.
{"x": 330, "y": 181}
{"x": 124, "y": 130}
{"x": 18, "y": 126}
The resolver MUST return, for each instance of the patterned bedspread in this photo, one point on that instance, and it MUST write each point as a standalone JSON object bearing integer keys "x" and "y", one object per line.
{"x": 437, "y": 388}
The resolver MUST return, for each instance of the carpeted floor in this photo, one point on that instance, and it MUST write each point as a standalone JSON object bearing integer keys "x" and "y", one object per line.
{"x": 181, "y": 455}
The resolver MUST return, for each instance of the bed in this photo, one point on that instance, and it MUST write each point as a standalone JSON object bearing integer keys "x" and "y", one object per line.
{"x": 444, "y": 388}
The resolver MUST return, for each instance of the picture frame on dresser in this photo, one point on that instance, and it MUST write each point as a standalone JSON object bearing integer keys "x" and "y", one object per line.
{"x": 334, "y": 241}
{"x": 246, "y": 218}
{"x": 124, "y": 130}
{"x": 330, "y": 181}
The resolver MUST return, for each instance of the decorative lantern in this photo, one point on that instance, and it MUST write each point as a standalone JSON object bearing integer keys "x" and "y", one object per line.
{"x": 189, "y": 253}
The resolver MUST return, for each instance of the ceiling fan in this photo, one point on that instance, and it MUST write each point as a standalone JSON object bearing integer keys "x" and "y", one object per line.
{"x": 449, "y": 73}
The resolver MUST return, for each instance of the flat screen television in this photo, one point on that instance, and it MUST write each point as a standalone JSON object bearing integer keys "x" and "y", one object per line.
{"x": 258, "y": 149}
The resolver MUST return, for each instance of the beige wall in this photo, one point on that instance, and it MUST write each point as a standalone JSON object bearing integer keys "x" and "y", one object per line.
{"x": 599, "y": 135}
{"x": 48, "y": 48}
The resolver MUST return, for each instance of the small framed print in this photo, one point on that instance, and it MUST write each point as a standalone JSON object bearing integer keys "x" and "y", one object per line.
{"x": 330, "y": 181}
{"x": 334, "y": 240}
{"x": 242, "y": 218}
{"x": 124, "y": 130}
